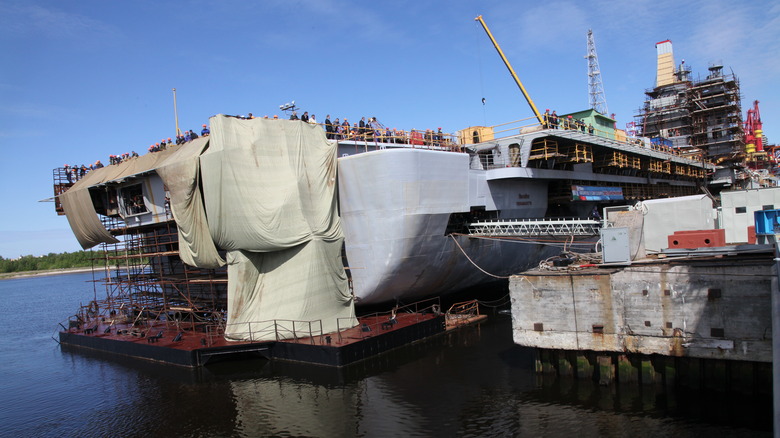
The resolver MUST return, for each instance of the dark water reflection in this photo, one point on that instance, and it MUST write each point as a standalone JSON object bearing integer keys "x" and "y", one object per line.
{"x": 472, "y": 382}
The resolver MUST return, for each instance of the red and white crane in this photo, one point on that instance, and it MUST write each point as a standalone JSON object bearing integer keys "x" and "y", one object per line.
{"x": 754, "y": 141}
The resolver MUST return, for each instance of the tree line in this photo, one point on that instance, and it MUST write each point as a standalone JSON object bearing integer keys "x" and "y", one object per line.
{"x": 78, "y": 259}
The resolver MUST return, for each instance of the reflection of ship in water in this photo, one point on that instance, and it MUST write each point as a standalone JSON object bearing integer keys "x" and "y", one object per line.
{"x": 473, "y": 381}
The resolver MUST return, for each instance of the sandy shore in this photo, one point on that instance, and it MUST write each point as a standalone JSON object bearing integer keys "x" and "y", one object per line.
{"x": 9, "y": 275}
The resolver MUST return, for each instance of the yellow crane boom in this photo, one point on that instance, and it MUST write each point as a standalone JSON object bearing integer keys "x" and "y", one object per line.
{"x": 511, "y": 70}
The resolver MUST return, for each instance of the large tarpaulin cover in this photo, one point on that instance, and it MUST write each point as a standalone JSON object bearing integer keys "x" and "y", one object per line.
{"x": 181, "y": 174}
{"x": 269, "y": 189}
{"x": 77, "y": 203}
{"x": 269, "y": 199}
{"x": 83, "y": 219}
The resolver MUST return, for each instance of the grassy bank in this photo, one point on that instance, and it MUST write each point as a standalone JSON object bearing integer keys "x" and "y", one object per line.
{"x": 38, "y": 273}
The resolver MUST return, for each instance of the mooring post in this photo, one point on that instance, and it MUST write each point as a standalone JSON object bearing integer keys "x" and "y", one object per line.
{"x": 668, "y": 365}
{"x": 564, "y": 366}
{"x": 584, "y": 365}
{"x": 606, "y": 369}
{"x": 627, "y": 371}
{"x": 648, "y": 374}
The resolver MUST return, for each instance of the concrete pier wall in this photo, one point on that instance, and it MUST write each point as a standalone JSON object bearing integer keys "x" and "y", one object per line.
{"x": 728, "y": 376}
{"x": 712, "y": 309}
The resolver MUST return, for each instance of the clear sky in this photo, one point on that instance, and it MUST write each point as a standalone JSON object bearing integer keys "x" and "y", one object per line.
{"x": 85, "y": 79}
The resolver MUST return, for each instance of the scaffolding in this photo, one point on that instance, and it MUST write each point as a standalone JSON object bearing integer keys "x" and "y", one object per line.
{"x": 696, "y": 117}
{"x": 716, "y": 114}
{"x": 147, "y": 284}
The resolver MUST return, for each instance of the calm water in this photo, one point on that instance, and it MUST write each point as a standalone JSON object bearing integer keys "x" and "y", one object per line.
{"x": 473, "y": 382}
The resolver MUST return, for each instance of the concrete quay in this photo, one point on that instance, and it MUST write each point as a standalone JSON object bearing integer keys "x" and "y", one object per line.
{"x": 701, "y": 320}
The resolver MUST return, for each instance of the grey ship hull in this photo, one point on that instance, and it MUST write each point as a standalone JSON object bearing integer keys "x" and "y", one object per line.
{"x": 395, "y": 207}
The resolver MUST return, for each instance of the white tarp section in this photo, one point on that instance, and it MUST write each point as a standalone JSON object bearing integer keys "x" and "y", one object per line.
{"x": 269, "y": 189}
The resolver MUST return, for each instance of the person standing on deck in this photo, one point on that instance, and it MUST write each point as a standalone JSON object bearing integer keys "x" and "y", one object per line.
{"x": 375, "y": 126}
{"x": 305, "y": 117}
{"x": 313, "y": 119}
{"x": 328, "y": 128}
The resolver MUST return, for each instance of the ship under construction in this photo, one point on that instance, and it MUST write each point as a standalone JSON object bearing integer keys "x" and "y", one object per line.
{"x": 407, "y": 221}
{"x": 702, "y": 117}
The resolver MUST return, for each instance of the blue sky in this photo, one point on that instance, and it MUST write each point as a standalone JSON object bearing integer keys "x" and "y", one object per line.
{"x": 82, "y": 80}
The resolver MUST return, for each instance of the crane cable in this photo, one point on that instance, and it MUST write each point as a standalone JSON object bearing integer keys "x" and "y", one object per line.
{"x": 481, "y": 78}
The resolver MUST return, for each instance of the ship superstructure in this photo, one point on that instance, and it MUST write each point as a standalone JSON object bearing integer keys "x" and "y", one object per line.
{"x": 696, "y": 116}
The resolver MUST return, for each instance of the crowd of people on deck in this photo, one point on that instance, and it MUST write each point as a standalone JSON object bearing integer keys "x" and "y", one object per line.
{"x": 552, "y": 121}
{"x": 116, "y": 159}
{"x": 75, "y": 172}
{"x": 372, "y": 130}
{"x": 367, "y": 129}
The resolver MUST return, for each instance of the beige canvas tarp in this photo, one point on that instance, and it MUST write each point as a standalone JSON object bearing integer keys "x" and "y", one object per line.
{"x": 181, "y": 174}
{"x": 83, "y": 219}
{"x": 77, "y": 203}
{"x": 269, "y": 200}
{"x": 269, "y": 189}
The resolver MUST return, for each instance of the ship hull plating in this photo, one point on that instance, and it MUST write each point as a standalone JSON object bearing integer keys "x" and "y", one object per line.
{"x": 395, "y": 208}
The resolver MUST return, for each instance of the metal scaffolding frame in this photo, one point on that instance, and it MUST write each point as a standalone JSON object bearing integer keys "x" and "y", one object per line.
{"x": 146, "y": 283}
{"x": 702, "y": 116}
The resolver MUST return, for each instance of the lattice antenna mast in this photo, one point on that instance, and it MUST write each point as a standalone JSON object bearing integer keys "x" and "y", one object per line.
{"x": 595, "y": 88}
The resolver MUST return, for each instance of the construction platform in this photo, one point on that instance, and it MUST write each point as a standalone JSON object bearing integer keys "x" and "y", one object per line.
{"x": 196, "y": 346}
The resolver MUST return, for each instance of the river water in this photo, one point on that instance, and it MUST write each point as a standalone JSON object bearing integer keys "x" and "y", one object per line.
{"x": 471, "y": 382}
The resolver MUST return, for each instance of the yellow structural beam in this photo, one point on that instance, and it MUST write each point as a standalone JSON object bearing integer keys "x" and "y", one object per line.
{"x": 511, "y": 70}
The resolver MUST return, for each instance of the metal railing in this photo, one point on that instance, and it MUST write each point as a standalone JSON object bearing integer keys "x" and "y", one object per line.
{"x": 380, "y": 319}
{"x": 270, "y": 330}
{"x": 468, "y": 308}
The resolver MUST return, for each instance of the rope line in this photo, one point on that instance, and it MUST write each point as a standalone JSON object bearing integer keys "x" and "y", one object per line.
{"x": 553, "y": 243}
{"x": 472, "y": 261}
